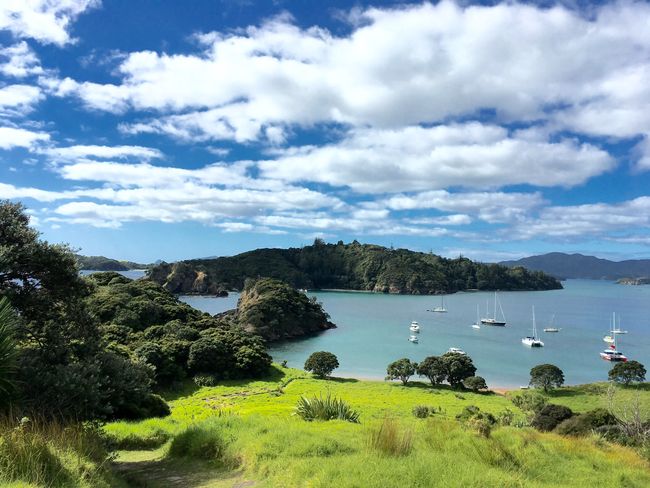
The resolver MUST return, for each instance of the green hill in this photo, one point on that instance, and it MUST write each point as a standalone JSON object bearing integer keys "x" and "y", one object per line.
{"x": 347, "y": 266}
{"x": 102, "y": 263}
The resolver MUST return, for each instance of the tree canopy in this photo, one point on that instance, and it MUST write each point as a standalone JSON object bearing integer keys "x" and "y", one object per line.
{"x": 546, "y": 376}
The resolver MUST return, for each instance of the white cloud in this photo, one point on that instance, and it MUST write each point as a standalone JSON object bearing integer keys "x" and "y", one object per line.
{"x": 20, "y": 61}
{"x": 18, "y": 99}
{"x": 404, "y": 66}
{"x": 109, "y": 152}
{"x": 47, "y": 21}
{"x": 471, "y": 155}
{"x": 11, "y": 137}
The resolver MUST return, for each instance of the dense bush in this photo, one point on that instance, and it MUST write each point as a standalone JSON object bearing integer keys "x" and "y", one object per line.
{"x": 546, "y": 376}
{"x": 205, "y": 380}
{"x": 328, "y": 408}
{"x": 475, "y": 383}
{"x": 422, "y": 411}
{"x": 550, "y": 416}
{"x": 402, "y": 370}
{"x": 586, "y": 423}
{"x": 321, "y": 363}
{"x": 530, "y": 401}
{"x": 482, "y": 422}
{"x": 628, "y": 372}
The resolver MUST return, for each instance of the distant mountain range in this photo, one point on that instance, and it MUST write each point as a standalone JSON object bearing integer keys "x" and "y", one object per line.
{"x": 102, "y": 263}
{"x": 563, "y": 266}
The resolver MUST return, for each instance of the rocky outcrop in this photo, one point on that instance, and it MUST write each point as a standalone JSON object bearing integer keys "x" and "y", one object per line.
{"x": 634, "y": 281}
{"x": 182, "y": 278}
{"x": 276, "y": 311}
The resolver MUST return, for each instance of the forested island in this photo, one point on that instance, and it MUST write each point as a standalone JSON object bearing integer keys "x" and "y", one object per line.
{"x": 353, "y": 266}
{"x": 102, "y": 263}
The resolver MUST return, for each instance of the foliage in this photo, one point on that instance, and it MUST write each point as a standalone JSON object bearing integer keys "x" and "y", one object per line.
{"x": 482, "y": 422}
{"x": 203, "y": 441}
{"x": 101, "y": 263}
{"x": 52, "y": 454}
{"x": 321, "y": 363}
{"x": 530, "y": 401}
{"x": 8, "y": 350}
{"x": 546, "y": 376}
{"x": 275, "y": 311}
{"x": 328, "y": 408}
{"x": 423, "y": 411}
{"x": 205, "y": 380}
{"x": 628, "y": 372}
{"x": 351, "y": 266}
{"x": 458, "y": 366}
{"x": 586, "y": 423}
{"x": 475, "y": 383}
{"x": 550, "y": 416}
{"x": 402, "y": 370}
{"x": 433, "y": 367}
{"x": 390, "y": 439}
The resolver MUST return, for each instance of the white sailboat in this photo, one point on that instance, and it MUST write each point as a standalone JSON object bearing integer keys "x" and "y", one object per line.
{"x": 551, "y": 326}
{"x": 613, "y": 331}
{"x": 441, "y": 308}
{"x": 493, "y": 320}
{"x": 477, "y": 324}
{"x": 612, "y": 354}
{"x": 617, "y": 329}
{"x": 532, "y": 341}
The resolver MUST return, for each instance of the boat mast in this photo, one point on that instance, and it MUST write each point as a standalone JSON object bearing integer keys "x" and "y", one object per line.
{"x": 534, "y": 325}
{"x": 495, "y": 306}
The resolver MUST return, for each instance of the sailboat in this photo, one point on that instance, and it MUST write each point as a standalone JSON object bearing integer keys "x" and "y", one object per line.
{"x": 493, "y": 320}
{"x": 551, "y": 327}
{"x": 441, "y": 308}
{"x": 612, "y": 354}
{"x": 610, "y": 338}
{"x": 617, "y": 330}
{"x": 532, "y": 341}
{"x": 477, "y": 324}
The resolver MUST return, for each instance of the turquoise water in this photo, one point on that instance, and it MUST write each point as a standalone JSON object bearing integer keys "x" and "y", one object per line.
{"x": 373, "y": 330}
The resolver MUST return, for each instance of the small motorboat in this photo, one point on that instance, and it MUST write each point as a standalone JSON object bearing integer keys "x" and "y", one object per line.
{"x": 457, "y": 350}
{"x": 476, "y": 326}
{"x": 414, "y": 339}
{"x": 415, "y": 327}
{"x": 551, "y": 329}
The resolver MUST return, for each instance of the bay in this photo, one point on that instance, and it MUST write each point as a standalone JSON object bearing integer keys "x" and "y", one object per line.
{"x": 373, "y": 330}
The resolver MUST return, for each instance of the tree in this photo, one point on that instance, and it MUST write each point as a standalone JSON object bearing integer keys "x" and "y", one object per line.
{"x": 402, "y": 370}
{"x": 321, "y": 363}
{"x": 458, "y": 367}
{"x": 550, "y": 416}
{"x": 433, "y": 368}
{"x": 629, "y": 372}
{"x": 546, "y": 376}
{"x": 475, "y": 383}
{"x": 8, "y": 349}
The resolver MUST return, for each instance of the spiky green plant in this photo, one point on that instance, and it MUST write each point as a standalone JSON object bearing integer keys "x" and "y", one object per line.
{"x": 327, "y": 408}
{"x": 8, "y": 349}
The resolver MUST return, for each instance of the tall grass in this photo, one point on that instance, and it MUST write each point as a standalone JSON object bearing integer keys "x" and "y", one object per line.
{"x": 51, "y": 454}
{"x": 328, "y": 408}
{"x": 391, "y": 439}
{"x": 8, "y": 350}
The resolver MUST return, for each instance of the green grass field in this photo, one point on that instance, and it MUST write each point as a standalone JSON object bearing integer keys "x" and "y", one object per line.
{"x": 258, "y": 440}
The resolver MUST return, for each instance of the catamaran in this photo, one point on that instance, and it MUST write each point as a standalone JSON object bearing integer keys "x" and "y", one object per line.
{"x": 532, "y": 341}
{"x": 493, "y": 320}
{"x": 612, "y": 354}
{"x": 415, "y": 327}
{"x": 441, "y": 308}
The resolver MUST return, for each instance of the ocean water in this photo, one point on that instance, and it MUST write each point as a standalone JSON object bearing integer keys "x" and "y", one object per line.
{"x": 373, "y": 330}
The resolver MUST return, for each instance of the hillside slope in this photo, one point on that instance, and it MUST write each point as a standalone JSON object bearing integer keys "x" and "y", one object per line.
{"x": 561, "y": 265}
{"x": 347, "y": 266}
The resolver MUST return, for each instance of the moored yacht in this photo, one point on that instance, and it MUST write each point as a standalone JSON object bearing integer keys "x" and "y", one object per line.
{"x": 414, "y": 327}
{"x": 613, "y": 355}
{"x": 441, "y": 308}
{"x": 493, "y": 320}
{"x": 457, "y": 350}
{"x": 532, "y": 341}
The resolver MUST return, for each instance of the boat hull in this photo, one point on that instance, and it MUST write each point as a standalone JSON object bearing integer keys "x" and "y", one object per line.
{"x": 496, "y": 323}
{"x": 612, "y": 358}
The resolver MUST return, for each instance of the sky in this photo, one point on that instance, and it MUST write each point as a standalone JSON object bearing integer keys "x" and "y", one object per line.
{"x": 163, "y": 129}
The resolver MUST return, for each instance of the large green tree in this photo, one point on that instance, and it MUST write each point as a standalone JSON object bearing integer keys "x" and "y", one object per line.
{"x": 546, "y": 377}
{"x": 402, "y": 370}
{"x": 629, "y": 372}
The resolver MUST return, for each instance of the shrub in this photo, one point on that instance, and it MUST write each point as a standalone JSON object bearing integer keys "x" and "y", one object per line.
{"x": 475, "y": 383}
{"x": 530, "y": 401}
{"x": 422, "y": 411}
{"x": 389, "y": 439}
{"x": 321, "y": 363}
{"x": 328, "y": 408}
{"x": 506, "y": 417}
{"x": 550, "y": 417}
{"x": 433, "y": 368}
{"x": 205, "y": 380}
{"x": 586, "y": 423}
{"x": 481, "y": 422}
{"x": 207, "y": 356}
{"x": 402, "y": 370}
{"x": 629, "y": 372}
{"x": 546, "y": 376}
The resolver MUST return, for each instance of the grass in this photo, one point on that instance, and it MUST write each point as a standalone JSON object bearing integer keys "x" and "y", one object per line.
{"x": 252, "y": 426}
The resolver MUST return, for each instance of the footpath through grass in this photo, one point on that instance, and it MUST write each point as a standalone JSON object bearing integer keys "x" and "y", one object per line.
{"x": 245, "y": 434}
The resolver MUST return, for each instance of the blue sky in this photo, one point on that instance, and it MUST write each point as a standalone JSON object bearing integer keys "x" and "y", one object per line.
{"x": 168, "y": 130}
